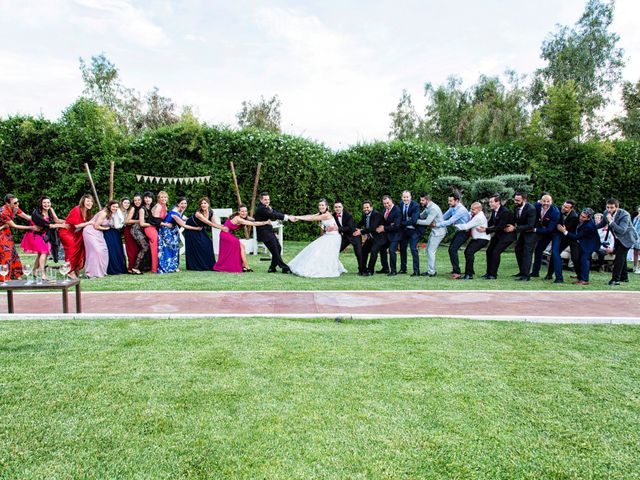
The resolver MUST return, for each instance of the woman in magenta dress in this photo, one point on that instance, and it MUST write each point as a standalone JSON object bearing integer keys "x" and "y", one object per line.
{"x": 231, "y": 256}
{"x": 44, "y": 241}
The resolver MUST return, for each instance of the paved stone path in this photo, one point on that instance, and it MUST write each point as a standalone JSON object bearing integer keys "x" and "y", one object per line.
{"x": 535, "y": 306}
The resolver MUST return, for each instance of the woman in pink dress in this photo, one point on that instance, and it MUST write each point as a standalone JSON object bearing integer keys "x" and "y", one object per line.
{"x": 96, "y": 251}
{"x": 43, "y": 241}
{"x": 231, "y": 256}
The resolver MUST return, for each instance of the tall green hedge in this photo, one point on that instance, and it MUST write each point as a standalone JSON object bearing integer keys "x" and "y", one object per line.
{"x": 38, "y": 156}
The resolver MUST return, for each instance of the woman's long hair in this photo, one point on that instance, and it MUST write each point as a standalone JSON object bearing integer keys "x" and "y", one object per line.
{"x": 237, "y": 212}
{"x": 107, "y": 209}
{"x": 86, "y": 212}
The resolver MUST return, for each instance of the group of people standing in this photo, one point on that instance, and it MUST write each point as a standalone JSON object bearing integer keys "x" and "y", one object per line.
{"x": 531, "y": 227}
{"x": 93, "y": 242}
{"x": 151, "y": 232}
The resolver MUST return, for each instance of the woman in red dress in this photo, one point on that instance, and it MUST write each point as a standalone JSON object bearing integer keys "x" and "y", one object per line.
{"x": 231, "y": 255}
{"x": 8, "y": 253}
{"x": 71, "y": 238}
{"x": 130, "y": 244}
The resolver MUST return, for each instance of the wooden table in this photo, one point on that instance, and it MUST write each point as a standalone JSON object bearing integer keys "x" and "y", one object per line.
{"x": 18, "y": 285}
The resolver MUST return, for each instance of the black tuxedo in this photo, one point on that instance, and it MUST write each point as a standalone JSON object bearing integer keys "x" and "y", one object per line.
{"x": 346, "y": 227}
{"x": 267, "y": 236}
{"x": 525, "y": 222}
{"x": 375, "y": 241}
{"x": 500, "y": 240}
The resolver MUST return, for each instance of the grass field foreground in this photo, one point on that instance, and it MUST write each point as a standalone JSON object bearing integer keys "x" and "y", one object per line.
{"x": 282, "y": 399}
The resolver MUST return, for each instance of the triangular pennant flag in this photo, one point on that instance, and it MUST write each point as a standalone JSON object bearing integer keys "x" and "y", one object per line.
{"x": 208, "y": 177}
{"x": 180, "y": 180}
{"x": 146, "y": 178}
{"x": 164, "y": 179}
{"x": 138, "y": 177}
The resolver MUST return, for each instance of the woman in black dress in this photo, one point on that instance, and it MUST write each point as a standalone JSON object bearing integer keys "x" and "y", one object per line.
{"x": 197, "y": 243}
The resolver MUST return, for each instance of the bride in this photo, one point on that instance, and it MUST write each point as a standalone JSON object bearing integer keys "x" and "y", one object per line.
{"x": 319, "y": 259}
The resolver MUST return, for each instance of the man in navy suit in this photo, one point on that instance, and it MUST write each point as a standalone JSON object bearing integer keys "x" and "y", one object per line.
{"x": 570, "y": 219}
{"x": 546, "y": 222}
{"x": 371, "y": 220}
{"x": 392, "y": 227}
{"x": 500, "y": 241}
{"x": 588, "y": 241}
{"x": 411, "y": 231}
{"x": 525, "y": 221}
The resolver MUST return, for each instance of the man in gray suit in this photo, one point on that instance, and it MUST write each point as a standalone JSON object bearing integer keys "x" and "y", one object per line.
{"x": 620, "y": 225}
{"x": 431, "y": 215}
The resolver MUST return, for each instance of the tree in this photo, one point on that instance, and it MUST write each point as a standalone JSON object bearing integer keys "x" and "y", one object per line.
{"x": 630, "y": 123}
{"x": 561, "y": 113}
{"x": 587, "y": 55}
{"x": 133, "y": 113}
{"x": 445, "y": 111}
{"x": 264, "y": 115}
{"x": 405, "y": 123}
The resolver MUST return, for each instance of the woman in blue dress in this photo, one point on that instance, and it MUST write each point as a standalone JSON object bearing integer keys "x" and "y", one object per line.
{"x": 198, "y": 245}
{"x": 169, "y": 237}
{"x": 117, "y": 264}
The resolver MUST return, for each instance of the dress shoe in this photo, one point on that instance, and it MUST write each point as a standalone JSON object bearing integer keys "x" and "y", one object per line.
{"x": 455, "y": 276}
{"x": 367, "y": 274}
{"x": 391, "y": 274}
{"x": 287, "y": 271}
{"x": 614, "y": 282}
{"x": 558, "y": 280}
{"x": 535, "y": 275}
{"x": 272, "y": 270}
{"x": 580, "y": 282}
{"x": 517, "y": 275}
{"x": 415, "y": 274}
{"x": 490, "y": 277}
{"x": 548, "y": 277}
{"x": 522, "y": 279}
{"x": 383, "y": 270}
{"x": 402, "y": 272}
{"x": 467, "y": 277}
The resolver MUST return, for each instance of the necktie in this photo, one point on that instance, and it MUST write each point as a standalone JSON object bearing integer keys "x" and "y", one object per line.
{"x": 406, "y": 207}
{"x": 386, "y": 214}
{"x": 366, "y": 222}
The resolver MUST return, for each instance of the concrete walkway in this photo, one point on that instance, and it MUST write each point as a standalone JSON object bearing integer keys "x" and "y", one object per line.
{"x": 530, "y": 306}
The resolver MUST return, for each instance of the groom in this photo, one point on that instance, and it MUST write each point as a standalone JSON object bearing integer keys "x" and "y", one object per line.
{"x": 266, "y": 234}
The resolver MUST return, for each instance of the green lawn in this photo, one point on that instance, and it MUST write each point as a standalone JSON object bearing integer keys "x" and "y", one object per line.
{"x": 276, "y": 398}
{"x": 260, "y": 280}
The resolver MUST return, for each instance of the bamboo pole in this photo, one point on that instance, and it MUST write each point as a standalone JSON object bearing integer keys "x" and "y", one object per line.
{"x": 93, "y": 186}
{"x": 111, "y": 168}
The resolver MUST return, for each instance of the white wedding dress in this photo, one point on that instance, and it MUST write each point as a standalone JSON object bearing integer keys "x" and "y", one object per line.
{"x": 320, "y": 259}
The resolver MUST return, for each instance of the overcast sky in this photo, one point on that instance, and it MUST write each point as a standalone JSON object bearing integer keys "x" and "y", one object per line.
{"x": 339, "y": 67}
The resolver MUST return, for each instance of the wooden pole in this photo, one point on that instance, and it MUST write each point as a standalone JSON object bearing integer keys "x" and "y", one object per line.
{"x": 247, "y": 230}
{"x": 255, "y": 189}
{"x": 235, "y": 182}
{"x": 111, "y": 168}
{"x": 93, "y": 187}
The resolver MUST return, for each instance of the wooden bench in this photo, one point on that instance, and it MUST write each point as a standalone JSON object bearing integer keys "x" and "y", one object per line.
{"x": 19, "y": 285}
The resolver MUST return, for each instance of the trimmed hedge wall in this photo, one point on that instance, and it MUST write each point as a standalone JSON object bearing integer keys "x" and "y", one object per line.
{"x": 38, "y": 156}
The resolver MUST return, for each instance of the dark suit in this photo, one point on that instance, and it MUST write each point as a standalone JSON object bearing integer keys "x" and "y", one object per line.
{"x": 346, "y": 227}
{"x": 559, "y": 242}
{"x": 411, "y": 231}
{"x": 392, "y": 227}
{"x": 267, "y": 236}
{"x": 525, "y": 222}
{"x": 589, "y": 242}
{"x": 375, "y": 241}
{"x": 500, "y": 240}
{"x": 625, "y": 238}
{"x": 545, "y": 228}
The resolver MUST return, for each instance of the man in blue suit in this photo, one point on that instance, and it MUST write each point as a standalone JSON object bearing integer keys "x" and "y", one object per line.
{"x": 547, "y": 219}
{"x": 411, "y": 231}
{"x": 392, "y": 227}
{"x": 588, "y": 241}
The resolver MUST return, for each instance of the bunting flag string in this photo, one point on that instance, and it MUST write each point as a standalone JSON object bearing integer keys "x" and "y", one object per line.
{"x": 173, "y": 180}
